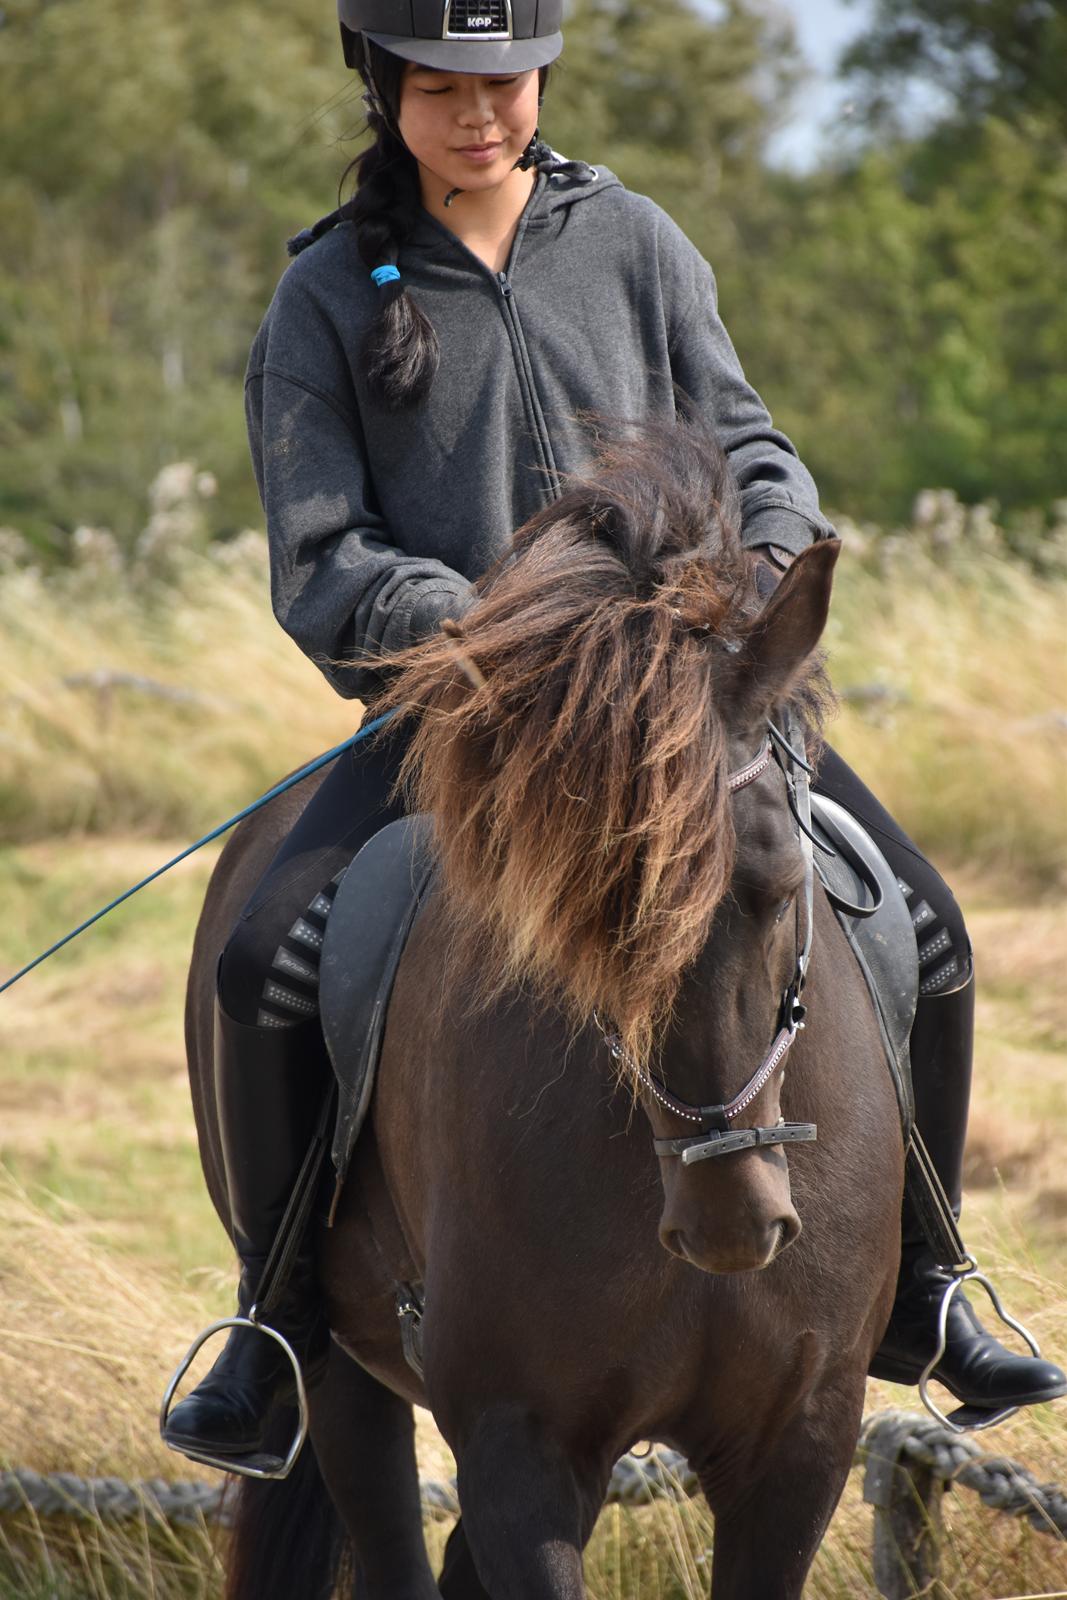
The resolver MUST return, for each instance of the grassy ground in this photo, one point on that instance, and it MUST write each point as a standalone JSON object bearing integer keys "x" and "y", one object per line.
{"x": 109, "y": 1253}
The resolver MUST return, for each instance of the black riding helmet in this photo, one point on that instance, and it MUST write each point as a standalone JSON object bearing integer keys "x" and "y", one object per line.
{"x": 484, "y": 36}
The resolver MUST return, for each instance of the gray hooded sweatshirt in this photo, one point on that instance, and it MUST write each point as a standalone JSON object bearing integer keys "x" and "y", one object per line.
{"x": 378, "y": 522}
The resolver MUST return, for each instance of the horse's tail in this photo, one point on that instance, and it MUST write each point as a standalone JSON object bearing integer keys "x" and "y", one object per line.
{"x": 287, "y": 1539}
{"x": 572, "y": 745}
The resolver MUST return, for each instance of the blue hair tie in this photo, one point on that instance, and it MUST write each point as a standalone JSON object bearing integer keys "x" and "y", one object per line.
{"x": 384, "y": 275}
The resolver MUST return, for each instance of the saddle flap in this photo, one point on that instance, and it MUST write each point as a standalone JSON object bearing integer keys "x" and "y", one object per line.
{"x": 874, "y": 915}
{"x": 368, "y": 926}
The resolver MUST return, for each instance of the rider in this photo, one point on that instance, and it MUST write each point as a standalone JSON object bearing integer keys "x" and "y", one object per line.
{"x": 479, "y": 288}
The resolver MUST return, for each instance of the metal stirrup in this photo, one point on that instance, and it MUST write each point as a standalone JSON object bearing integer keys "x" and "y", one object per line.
{"x": 946, "y": 1245}
{"x": 259, "y": 1465}
{"x": 976, "y": 1421}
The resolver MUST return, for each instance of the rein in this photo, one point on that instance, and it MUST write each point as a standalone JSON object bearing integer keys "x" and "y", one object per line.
{"x": 716, "y": 1137}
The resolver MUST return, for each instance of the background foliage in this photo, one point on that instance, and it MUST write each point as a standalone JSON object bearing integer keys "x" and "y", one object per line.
{"x": 903, "y": 308}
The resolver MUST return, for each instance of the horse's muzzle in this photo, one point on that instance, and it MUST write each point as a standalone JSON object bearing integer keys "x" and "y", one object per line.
{"x": 718, "y": 1255}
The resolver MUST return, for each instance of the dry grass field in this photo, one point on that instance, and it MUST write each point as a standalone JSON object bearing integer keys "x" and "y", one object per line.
{"x": 110, "y": 1256}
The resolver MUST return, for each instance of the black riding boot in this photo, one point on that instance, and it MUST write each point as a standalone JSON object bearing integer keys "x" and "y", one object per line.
{"x": 975, "y": 1367}
{"x": 270, "y": 1086}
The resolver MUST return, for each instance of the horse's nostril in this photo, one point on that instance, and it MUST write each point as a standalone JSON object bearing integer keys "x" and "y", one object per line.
{"x": 788, "y": 1229}
{"x": 673, "y": 1242}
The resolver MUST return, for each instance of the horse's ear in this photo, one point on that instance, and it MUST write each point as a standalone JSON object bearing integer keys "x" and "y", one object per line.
{"x": 786, "y": 631}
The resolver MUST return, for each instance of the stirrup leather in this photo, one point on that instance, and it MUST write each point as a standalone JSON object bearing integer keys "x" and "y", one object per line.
{"x": 261, "y": 1465}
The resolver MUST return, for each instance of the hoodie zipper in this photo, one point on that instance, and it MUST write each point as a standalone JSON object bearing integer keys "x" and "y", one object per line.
{"x": 529, "y": 386}
{"x": 551, "y": 483}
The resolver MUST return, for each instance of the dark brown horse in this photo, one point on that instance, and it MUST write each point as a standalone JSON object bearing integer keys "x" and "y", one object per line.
{"x": 600, "y": 875}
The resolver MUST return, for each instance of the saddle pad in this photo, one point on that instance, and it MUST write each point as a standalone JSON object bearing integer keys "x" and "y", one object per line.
{"x": 881, "y": 935}
{"x": 366, "y": 931}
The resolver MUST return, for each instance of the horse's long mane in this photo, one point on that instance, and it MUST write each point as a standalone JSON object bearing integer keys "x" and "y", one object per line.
{"x": 572, "y": 735}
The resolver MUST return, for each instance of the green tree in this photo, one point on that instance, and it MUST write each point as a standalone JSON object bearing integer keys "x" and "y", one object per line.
{"x": 906, "y": 319}
{"x": 680, "y": 102}
{"x": 904, "y": 312}
{"x": 156, "y": 157}
{"x": 1007, "y": 58}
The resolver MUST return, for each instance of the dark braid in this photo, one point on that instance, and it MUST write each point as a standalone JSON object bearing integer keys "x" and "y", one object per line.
{"x": 400, "y": 349}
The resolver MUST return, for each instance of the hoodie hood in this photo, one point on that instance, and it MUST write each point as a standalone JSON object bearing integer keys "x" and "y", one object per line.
{"x": 566, "y": 177}
{"x": 560, "y": 184}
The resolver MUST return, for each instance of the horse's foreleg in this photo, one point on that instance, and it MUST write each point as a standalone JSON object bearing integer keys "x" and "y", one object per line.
{"x": 364, "y": 1438}
{"x": 459, "y": 1578}
{"x": 770, "y": 1523}
{"x": 527, "y": 1513}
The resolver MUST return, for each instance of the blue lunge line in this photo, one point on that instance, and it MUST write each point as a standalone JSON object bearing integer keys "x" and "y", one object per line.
{"x": 280, "y": 788}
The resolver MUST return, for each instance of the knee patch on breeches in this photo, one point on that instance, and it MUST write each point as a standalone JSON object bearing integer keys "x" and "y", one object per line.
{"x": 274, "y": 983}
{"x": 940, "y": 936}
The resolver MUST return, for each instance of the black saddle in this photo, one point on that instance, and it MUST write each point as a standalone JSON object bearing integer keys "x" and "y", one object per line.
{"x": 380, "y": 895}
{"x": 871, "y": 908}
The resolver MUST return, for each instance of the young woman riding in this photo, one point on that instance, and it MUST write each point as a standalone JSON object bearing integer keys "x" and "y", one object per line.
{"x": 414, "y": 394}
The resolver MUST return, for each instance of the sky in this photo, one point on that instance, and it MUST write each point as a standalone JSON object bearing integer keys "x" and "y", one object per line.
{"x": 824, "y": 27}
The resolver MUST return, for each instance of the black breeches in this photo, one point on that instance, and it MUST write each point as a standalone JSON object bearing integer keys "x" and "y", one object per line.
{"x": 269, "y": 970}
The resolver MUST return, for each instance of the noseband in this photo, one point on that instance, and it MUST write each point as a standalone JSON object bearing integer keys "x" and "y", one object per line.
{"x": 715, "y": 1136}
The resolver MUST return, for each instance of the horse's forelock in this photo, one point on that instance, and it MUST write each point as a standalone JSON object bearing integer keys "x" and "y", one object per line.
{"x": 658, "y": 492}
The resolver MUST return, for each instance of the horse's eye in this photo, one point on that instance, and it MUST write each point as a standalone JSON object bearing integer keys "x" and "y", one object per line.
{"x": 783, "y": 908}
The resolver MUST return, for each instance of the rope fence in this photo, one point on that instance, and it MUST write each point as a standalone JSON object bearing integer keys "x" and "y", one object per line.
{"x": 951, "y": 1458}
{"x": 908, "y": 1461}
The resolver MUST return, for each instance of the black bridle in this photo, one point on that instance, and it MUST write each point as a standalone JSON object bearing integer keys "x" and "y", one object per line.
{"x": 715, "y": 1136}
